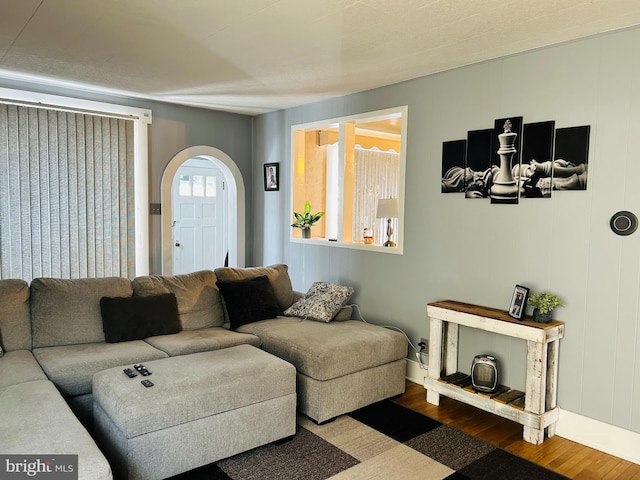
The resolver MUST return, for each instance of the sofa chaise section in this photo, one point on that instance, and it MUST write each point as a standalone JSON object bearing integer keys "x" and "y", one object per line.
{"x": 341, "y": 365}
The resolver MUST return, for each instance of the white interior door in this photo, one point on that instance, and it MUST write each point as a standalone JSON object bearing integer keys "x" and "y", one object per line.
{"x": 199, "y": 217}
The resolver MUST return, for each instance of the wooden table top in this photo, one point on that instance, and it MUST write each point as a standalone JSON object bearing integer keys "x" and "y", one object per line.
{"x": 494, "y": 313}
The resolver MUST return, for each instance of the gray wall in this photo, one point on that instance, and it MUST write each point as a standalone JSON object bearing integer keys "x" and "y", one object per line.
{"x": 476, "y": 252}
{"x": 175, "y": 128}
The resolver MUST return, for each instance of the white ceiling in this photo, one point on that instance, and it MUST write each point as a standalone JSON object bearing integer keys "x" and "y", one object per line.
{"x": 255, "y": 56}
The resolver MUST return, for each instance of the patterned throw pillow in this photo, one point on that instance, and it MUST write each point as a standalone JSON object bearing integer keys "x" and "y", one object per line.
{"x": 321, "y": 303}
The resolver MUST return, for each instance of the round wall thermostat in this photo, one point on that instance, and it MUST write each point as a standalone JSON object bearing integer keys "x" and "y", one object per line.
{"x": 624, "y": 223}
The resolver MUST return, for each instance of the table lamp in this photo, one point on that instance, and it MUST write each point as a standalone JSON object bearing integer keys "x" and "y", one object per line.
{"x": 388, "y": 208}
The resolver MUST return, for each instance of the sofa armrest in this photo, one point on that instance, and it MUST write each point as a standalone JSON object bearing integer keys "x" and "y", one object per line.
{"x": 343, "y": 314}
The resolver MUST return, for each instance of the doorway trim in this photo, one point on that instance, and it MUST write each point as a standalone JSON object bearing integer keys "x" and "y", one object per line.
{"x": 236, "y": 203}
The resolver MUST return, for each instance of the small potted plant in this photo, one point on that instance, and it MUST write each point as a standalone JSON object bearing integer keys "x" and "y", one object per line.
{"x": 543, "y": 304}
{"x": 306, "y": 219}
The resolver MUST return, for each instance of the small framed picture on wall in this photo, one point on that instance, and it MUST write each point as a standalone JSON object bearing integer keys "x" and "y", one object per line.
{"x": 518, "y": 302}
{"x": 271, "y": 176}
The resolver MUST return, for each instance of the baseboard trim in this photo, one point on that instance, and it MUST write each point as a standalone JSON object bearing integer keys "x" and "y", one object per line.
{"x": 415, "y": 372}
{"x": 592, "y": 433}
{"x": 599, "y": 435}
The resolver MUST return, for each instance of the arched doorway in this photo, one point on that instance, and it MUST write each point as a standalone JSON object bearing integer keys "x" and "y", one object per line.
{"x": 236, "y": 203}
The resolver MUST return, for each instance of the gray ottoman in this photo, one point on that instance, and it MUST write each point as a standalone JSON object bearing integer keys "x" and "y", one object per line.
{"x": 203, "y": 407}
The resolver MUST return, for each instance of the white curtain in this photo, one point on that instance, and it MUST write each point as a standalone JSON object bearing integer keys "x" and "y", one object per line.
{"x": 376, "y": 175}
{"x": 66, "y": 194}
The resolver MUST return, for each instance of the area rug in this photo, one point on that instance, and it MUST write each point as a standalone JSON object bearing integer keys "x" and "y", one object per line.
{"x": 382, "y": 441}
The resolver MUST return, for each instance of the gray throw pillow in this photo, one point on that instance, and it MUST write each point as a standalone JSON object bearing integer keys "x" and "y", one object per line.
{"x": 321, "y": 303}
{"x": 199, "y": 303}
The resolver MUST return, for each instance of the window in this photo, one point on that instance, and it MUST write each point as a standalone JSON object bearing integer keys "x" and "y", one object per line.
{"x": 344, "y": 167}
{"x": 185, "y": 186}
{"x": 73, "y": 200}
{"x": 197, "y": 186}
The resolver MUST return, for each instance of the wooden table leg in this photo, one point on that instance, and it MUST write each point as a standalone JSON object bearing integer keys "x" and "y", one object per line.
{"x": 552, "y": 382}
{"x": 435, "y": 357}
{"x": 535, "y": 389}
{"x": 450, "y": 342}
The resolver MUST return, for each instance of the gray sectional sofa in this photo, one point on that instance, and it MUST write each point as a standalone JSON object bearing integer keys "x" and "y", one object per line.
{"x": 52, "y": 334}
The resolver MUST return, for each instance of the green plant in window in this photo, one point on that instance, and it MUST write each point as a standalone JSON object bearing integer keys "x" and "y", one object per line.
{"x": 306, "y": 219}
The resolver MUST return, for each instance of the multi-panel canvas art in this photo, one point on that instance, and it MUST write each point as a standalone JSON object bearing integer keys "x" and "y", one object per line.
{"x": 506, "y": 158}
{"x": 453, "y": 155}
{"x": 515, "y": 160}
{"x": 571, "y": 158}
{"x": 534, "y": 174}
{"x": 478, "y": 163}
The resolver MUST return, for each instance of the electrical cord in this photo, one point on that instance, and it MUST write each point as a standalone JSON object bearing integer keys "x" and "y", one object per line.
{"x": 391, "y": 327}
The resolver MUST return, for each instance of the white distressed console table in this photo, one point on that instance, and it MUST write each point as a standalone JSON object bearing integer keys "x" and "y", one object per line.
{"x": 540, "y": 409}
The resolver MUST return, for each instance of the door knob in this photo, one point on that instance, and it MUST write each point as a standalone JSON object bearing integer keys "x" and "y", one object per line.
{"x": 177, "y": 244}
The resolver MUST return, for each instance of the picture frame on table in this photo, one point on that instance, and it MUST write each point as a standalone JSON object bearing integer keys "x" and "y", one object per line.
{"x": 271, "y": 177}
{"x": 518, "y": 302}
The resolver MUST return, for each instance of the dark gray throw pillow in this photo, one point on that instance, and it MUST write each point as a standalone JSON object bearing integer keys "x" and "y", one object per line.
{"x": 249, "y": 300}
{"x": 136, "y": 318}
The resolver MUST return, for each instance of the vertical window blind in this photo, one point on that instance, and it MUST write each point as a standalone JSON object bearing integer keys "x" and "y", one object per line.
{"x": 66, "y": 194}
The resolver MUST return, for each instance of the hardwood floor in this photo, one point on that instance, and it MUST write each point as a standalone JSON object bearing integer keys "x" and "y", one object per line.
{"x": 556, "y": 453}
